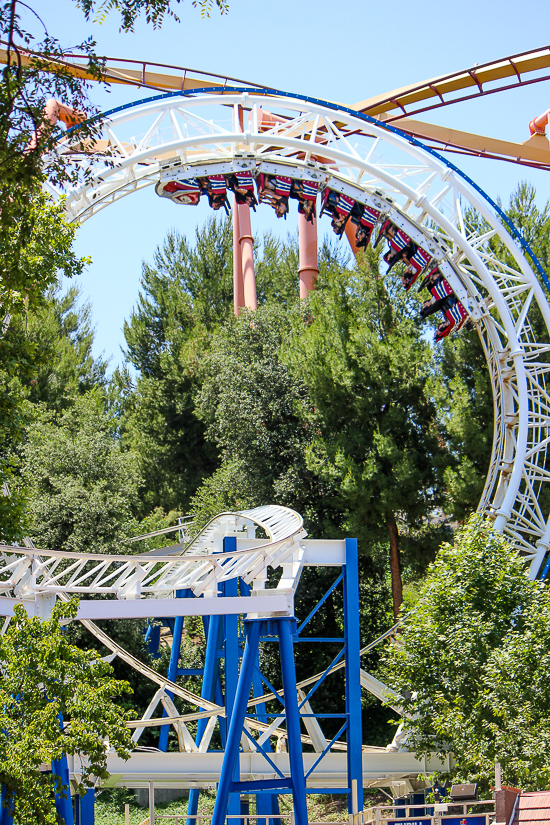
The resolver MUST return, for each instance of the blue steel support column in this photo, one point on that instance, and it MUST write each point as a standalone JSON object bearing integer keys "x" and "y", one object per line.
{"x": 237, "y": 720}
{"x": 63, "y": 805}
{"x": 232, "y": 656}
{"x": 208, "y": 691}
{"x": 288, "y": 670}
{"x": 266, "y": 803}
{"x": 85, "y": 808}
{"x": 5, "y": 818}
{"x": 353, "y": 678}
{"x": 172, "y": 672}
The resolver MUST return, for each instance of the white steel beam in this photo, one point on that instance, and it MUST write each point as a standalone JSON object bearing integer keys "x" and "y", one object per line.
{"x": 267, "y": 605}
{"x": 191, "y": 770}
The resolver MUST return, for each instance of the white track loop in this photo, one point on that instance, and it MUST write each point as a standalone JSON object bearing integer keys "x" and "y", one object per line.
{"x": 200, "y": 566}
{"x": 182, "y": 136}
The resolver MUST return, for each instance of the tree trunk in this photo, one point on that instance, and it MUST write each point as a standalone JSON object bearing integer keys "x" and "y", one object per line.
{"x": 395, "y": 564}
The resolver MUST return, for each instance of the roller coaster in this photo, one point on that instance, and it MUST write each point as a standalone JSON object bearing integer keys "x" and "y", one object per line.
{"x": 378, "y": 176}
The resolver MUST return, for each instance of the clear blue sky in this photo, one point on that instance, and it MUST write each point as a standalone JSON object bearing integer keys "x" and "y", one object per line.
{"x": 345, "y": 51}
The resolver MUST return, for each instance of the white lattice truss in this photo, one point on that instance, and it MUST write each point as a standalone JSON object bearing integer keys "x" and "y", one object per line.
{"x": 181, "y": 136}
{"x": 200, "y": 566}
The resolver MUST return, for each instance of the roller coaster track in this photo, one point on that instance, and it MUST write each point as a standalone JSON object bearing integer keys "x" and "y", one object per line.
{"x": 431, "y": 200}
{"x": 480, "y": 80}
{"x": 398, "y": 106}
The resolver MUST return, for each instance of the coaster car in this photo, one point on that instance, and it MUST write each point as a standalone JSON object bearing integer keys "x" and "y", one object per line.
{"x": 242, "y": 184}
{"x": 215, "y": 187}
{"x": 275, "y": 190}
{"x": 365, "y": 222}
{"x": 417, "y": 264}
{"x": 388, "y": 230}
{"x": 187, "y": 192}
{"x": 339, "y": 207}
{"x": 455, "y": 318}
{"x": 305, "y": 191}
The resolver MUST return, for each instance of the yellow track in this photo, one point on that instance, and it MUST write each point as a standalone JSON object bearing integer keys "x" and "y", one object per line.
{"x": 396, "y": 106}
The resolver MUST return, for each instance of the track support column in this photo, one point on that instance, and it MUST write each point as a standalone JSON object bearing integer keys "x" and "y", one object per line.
{"x": 297, "y": 776}
{"x": 5, "y": 815}
{"x": 172, "y": 671}
{"x": 208, "y": 691}
{"x": 246, "y": 242}
{"x": 237, "y": 721}
{"x": 232, "y": 658}
{"x": 63, "y": 804}
{"x": 85, "y": 808}
{"x": 309, "y": 262}
{"x": 238, "y": 283}
{"x": 266, "y": 803}
{"x": 353, "y": 678}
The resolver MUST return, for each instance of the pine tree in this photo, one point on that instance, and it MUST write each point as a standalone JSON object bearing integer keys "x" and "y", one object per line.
{"x": 373, "y": 423}
{"x": 62, "y": 336}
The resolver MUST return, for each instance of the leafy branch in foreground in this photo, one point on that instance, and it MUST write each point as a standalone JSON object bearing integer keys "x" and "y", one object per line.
{"x": 154, "y": 11}
{"x": 45, "y": 680}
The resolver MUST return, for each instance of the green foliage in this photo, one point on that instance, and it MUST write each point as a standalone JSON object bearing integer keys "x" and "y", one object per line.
{"x": 464, "y": 396}
{"x": 36, "y": 242}
{"x": 473, "y": 663}
{"x": 46, "y": 251}
{"x": 31, "y": 252}
{"x": 62, "y": 335}
{"x": 45, "y": 677}
{"x": 276, "y": 267}
{"x": 368, "y": 409}
{"x": 187, "y": 286}
{"x": 81, "y": 487}
{"x": 185, "y": 295}
{"x": 248, "y": 399}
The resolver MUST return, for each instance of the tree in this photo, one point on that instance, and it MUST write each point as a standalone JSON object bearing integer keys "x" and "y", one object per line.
{"x": 183, "y": 297}
{"x": 464, "y": 397}
{"x": 46, "y": 681}
{"x": 62, "y": 336}
{"x": 250, "y": 401}
{"x": 186, "y": 296}
{"x": 81, "y": 487}
{"x": 36, "y": 71}
{"x": 374, "y": 434}
{"x": 472, "y": 662}
{"x": 153, "y": 10}
{"x": 46, "y": 251}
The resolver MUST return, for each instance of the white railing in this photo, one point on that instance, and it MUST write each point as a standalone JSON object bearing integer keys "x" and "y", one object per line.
{"x": 206, "y": 819}
{"x": 429, "y": 813}
{"x": 419, "y": 813}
